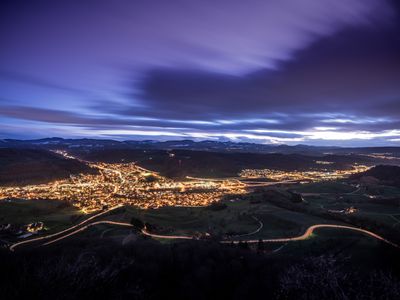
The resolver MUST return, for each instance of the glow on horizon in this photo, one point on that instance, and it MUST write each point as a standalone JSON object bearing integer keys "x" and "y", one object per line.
{"x": 357, "y": 120}
{"x": 260, "y": 135}
{"x": 218, "y": 130}
{"x": 325, "y": 133}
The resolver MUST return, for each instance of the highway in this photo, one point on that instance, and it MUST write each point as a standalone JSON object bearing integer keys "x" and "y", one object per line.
{"x": 239, "y": 180}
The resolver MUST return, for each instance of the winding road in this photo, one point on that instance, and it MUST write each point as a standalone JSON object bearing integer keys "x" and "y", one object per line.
{"x": 301, "y": 237}
{"x": 83, "y": 226}
{"x": 260, "y": 226}
{"x": 304, "y": 236}
{"x": 86, "y": 227}
{"x": 169, "y": 237}
{"x": 310, "y": 231}
{"x": 12, "y": 247}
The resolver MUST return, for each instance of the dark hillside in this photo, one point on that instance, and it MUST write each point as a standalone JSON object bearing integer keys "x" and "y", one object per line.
{"x": 28, "y": 166}
{"x": 191, "y": 270}
{"x": 389, "y": 175}
{"x": 181, "y": 163}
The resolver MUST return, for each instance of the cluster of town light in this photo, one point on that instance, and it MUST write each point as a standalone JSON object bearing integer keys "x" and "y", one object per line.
{"x": 306, "y": 176}
{"x": 125, "y": 183}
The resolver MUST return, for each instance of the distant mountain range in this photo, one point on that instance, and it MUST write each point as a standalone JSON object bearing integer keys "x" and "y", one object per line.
{"x": 30, "y": 161}
{"x": 215, "y": 146}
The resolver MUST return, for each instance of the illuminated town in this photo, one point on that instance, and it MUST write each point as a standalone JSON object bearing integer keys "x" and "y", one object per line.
{"x": 130, "y": 184}
{"x": 302, "y": 176}
{"x": 127, "y": 184}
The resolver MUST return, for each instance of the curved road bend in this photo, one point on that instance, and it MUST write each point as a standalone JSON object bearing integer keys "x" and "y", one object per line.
{"x": 86, "y": 227}
{"x": 260, "y": 226}
{"x": 311, "y": 229}
{"x": 111, "y": 223}
{"x": 171, "y": 237}
{"x": 304, "y": 236}
{"x": 12, "y": 247}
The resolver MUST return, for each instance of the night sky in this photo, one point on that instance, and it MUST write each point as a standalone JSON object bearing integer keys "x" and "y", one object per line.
{"x": 318, "y": 72}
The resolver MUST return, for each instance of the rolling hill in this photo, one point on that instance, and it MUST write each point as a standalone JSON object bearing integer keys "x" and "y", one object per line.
{"x": 32, "y": 166}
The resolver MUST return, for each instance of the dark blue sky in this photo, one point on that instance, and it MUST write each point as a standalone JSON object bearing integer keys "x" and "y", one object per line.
{"x": 322, "y": 72}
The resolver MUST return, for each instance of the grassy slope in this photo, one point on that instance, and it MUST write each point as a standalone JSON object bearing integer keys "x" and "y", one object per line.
{"x": 55, "y": 215}
{"x": 325, "y": 187}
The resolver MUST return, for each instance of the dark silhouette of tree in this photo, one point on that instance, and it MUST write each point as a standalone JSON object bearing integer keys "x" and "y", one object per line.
{"x": 260, "y": 245}
{"x": 137, "y": 223}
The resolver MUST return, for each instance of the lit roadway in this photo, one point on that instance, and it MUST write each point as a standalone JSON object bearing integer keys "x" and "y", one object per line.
{"x": 66, "y": 231}
{"x": 310, "y": 231}
{"x": 86, "y": 224}
{"x": 239, "y": 180}
{"x": 83, "y": 226}
{"x": 304, "y": 236}
{"x": 169, "y": 237}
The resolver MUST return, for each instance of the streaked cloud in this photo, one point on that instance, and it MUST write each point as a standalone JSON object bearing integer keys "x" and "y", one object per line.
{"x": 313, "y": 71}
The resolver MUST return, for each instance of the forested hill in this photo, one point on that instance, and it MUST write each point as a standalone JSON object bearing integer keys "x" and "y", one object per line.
{"x": 32, "y": 166}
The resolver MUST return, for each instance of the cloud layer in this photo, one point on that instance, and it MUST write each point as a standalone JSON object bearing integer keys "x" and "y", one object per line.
{"x": 317, "y": 72}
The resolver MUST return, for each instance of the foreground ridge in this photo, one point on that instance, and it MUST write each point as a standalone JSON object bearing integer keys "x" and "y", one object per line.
{"x": 301, "y": 237}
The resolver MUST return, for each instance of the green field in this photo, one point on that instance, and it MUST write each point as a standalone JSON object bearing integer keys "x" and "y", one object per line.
{"x": 370, "y": 201}
{"x": 334, "y": 187}
{"x": 271, "y": 213}
{"x": 383, "y": 190}
{"x": 238, "y": 219}
{"x": 54, "y": 214}
{"x": 337, "y": 242}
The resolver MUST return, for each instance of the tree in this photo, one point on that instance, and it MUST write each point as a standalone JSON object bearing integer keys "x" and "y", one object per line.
{"x": 137, "y": 223}
{"x": 243, "y": 245}
{"x": 260, "y": 245}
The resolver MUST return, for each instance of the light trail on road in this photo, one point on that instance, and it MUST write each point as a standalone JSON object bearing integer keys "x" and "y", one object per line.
{"x": 86, "y": 227}
{"x": 304, "y": 236}
{"x": 12, "y": 247}
{"x": 311, "y": 229}
{"x": 172, "y": 237}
